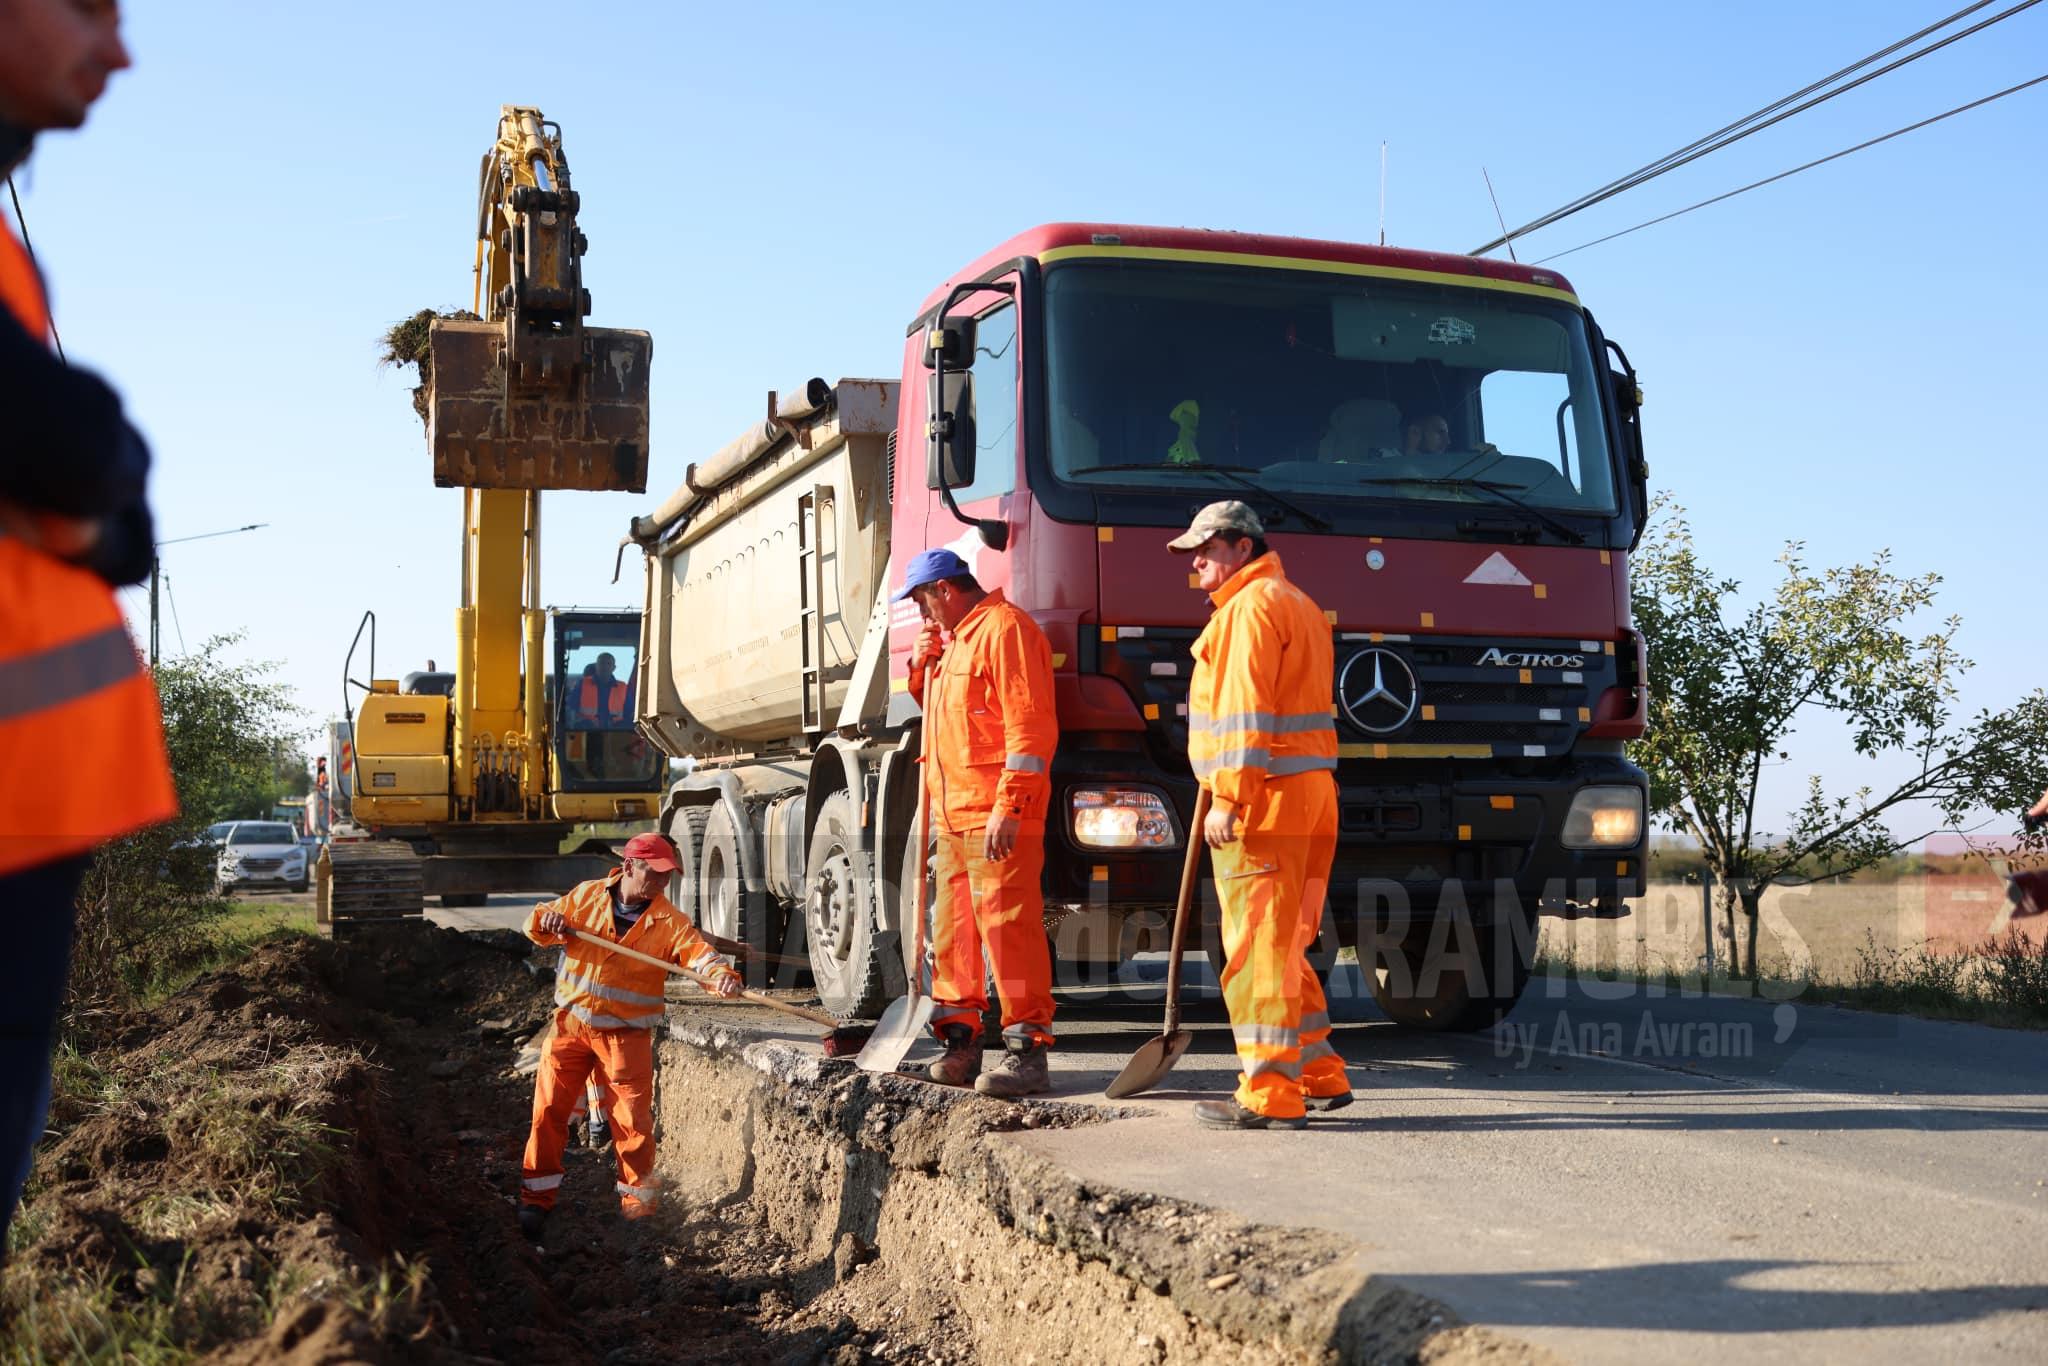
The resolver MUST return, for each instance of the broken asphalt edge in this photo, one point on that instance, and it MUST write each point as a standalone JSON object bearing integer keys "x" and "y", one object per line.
{"x": 1296, "y": 1293}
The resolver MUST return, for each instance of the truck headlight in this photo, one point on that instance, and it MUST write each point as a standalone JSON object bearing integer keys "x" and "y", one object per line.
{"x": 1603, "y": 818}
{"x": 1122, "y": 818}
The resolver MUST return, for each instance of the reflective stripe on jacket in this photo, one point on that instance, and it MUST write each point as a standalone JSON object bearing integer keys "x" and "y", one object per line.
{"x": 989, "y": 726}
{"x": 82, "y": 757}
{"x": 1260, "y": 699}
{"x": 609, "y": 990}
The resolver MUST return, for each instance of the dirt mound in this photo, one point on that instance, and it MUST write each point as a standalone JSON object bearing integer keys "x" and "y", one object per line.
{"x": 311, "y": 1156}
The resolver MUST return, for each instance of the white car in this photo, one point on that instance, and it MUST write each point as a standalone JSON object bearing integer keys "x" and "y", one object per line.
{"x": 261, "y": 853}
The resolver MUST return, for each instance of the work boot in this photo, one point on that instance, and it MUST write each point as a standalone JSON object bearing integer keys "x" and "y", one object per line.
{"x": 1022, "y": 1072}
{"x": 532, "y": 1220}
{"x": 1325, "y": 1104}
{"x": 1228, "y": 1114}
{"x": 960, "y": 1064}
{"x": 598, "y": 1135}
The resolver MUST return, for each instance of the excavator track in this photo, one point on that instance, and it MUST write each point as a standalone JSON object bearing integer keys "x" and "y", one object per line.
{"x": 375, "y": 880}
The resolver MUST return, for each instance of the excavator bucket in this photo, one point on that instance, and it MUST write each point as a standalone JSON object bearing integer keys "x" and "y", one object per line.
{"x": 583, "y": 426}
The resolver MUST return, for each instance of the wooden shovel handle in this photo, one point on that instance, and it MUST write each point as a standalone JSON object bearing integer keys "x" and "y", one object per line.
{"x": 1189, "y": 874}
{"x": 702, "y": 980}
{"x": 920, "y": 835}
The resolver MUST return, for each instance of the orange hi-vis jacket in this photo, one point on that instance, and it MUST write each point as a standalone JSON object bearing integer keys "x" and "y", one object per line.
{"x": 609, "y": 990}
{"x": 989, "y": 723}
{"x": 1270, "y": 713}
{"x": 82, "y": 757}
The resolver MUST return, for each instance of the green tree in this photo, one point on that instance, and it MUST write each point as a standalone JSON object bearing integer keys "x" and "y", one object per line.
{"x": 1728, "y": 691}
{"x": 147, "y": 901}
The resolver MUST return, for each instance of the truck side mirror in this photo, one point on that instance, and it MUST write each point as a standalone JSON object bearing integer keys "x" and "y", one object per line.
{"x": 1628, "y": 404}
{"x": 951, "y": 340}
{"x": 949, "y": 460}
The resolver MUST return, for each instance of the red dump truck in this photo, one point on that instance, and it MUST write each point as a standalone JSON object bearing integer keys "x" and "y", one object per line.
{"x": 1447, "y": 454}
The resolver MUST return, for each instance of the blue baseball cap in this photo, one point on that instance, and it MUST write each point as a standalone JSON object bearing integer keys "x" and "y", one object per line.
{"x": 929, "y": 567}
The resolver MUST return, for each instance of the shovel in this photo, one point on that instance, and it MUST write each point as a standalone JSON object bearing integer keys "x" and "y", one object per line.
{"x": 842, "y": 1040}
{"x": 908, "y": 1017}
{"x": 1150, "y": 1064}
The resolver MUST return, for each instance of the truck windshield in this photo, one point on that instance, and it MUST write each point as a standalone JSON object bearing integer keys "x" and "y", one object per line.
{"x": 1320, "y": 387}
{"x": 596, "y": 700}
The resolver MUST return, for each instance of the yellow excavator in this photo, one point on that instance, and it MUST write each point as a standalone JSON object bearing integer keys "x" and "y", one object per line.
{"x": 471, "y": 782}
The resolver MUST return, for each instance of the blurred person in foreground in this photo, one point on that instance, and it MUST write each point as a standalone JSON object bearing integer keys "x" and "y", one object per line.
{"x": 82, "y": 756}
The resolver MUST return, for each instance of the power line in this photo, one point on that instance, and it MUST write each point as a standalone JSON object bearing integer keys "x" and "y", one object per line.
{"x": 1642, "y": 172}
{"x": 1822, "y": 161}
{"x": 174, "y": 615}
{"x": 30, "y": 248}
{"x": 1756, "y": 123}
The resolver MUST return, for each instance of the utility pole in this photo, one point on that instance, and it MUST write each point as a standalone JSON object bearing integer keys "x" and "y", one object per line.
{"x": 156, "y": 568}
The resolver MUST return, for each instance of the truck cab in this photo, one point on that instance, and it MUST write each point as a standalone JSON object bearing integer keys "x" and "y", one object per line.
{"x": 1446, "y": 454}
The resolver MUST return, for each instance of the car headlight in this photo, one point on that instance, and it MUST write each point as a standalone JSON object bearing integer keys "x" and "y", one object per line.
{"x": 1122, "y": 818}
{"x": 1604, "y": 818}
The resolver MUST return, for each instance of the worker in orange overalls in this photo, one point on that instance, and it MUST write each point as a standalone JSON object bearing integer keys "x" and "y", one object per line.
{"x": 989, "y": 735}
{"x": 1261, "y": 738}
{"x": 82, "y": 758}
{"x": 608, "y": 1007}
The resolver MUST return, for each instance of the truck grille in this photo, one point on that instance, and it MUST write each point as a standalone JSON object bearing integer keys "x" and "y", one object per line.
{"x": 1472, "y": 698}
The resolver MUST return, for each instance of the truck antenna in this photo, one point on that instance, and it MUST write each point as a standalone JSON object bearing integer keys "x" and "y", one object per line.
{"x": 1383, "y": 192}
{"x": 1507, "y": 238}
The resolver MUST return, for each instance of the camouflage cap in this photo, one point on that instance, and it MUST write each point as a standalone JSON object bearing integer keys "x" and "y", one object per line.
{"x": 1227, "y": 516}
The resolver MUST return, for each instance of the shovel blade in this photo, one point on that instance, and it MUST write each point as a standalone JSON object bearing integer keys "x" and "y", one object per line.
{"x": 1149, "y": 1065}
{"x": 907, "y": 1020}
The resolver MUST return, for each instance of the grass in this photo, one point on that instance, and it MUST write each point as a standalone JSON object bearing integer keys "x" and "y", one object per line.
{"x": 2002, "y": 982}
{"x": 233, "y": 936}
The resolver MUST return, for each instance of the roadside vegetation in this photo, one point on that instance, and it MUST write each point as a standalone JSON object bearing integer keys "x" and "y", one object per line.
{"x": 1730, "y": 688}
{"x": 2002, "y": 981}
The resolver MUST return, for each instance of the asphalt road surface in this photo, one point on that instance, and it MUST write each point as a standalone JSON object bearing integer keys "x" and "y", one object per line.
{"x": 1624, "y": 1177}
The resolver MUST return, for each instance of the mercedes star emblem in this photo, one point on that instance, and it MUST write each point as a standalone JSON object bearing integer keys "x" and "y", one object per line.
{"x": 1378, "y": 691}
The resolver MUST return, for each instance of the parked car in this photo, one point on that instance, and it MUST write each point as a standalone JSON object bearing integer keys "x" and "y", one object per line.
{"x": 260, "y": 853}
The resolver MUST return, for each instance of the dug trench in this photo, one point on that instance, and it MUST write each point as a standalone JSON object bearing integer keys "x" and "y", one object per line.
{"x": 312, "y": 1156}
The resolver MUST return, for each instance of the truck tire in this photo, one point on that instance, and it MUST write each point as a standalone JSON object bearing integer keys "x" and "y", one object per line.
{"x": 686, "y": 830}
{"x": 728, "y": 909}
{"x": 1447, "y": 992}
{"x": 856, "y": 964}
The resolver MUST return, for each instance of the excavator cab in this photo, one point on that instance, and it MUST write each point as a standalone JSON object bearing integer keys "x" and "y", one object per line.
{"x": 598, "y": 752}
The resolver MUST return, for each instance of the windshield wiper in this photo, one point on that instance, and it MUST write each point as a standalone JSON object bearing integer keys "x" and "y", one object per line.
{"x": 1234, "y": 473}
{"x": 1498, "y": 490}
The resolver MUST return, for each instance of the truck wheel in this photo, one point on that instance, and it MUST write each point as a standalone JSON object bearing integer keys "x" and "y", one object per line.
{"x": 1463, "y": 986}
{"x": 728, "y": 909}
{"x": 686, "y": 829}
{"x": 855, "y": 963}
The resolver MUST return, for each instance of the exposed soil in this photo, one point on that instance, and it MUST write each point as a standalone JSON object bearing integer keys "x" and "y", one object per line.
{"x": 375, "y": 1218}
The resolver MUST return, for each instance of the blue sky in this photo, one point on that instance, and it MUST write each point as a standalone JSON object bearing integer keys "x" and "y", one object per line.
{"x": 1852, "y": 357}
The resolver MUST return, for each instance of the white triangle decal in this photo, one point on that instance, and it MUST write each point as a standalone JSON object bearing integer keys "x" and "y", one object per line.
{"x": 1497, "y": 569}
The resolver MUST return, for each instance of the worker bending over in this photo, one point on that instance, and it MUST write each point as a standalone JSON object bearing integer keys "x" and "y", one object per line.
{"x": 607, "y": 1009}
{"x": 989, "y": 734}
{"x": 1261, "y": 739}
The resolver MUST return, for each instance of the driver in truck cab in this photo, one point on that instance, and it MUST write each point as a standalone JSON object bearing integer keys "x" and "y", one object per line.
{"x": 988, "y": 740}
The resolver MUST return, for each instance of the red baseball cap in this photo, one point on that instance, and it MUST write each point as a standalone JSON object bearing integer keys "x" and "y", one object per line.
{"x": 655, "y": 849}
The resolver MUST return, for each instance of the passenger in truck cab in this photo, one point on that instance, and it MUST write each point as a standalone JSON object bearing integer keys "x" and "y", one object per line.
{"x": 1360, "y": 430}
{"x": 1426, "y": 433}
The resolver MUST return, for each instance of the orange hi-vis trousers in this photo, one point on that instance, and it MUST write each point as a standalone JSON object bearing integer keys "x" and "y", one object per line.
{"x": 1272, "y": 884}
{"x": 624, "y": 1062}
{"x": 999, "y": 907}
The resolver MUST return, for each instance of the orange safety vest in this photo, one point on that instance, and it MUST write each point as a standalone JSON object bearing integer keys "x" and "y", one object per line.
{"x": 82, "y": 757}
{"x": 1260, "y": 700}
{"x": 989, "y": 724}
{"x": 609, "y": 990}
{"x": 615, "y": 701}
